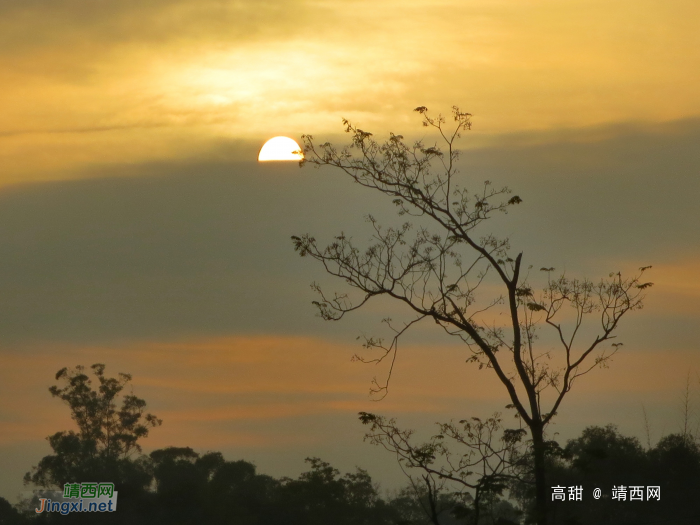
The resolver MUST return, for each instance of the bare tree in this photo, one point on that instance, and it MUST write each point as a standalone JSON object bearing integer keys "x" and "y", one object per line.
{"x": 437, "y": 275}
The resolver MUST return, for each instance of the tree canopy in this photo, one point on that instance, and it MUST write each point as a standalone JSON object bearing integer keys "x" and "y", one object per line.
{"x": 108, "y": 433}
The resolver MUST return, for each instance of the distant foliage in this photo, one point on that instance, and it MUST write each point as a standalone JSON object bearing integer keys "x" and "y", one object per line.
{"x": 603, "y": 458}
{"x": 179, "y": 486}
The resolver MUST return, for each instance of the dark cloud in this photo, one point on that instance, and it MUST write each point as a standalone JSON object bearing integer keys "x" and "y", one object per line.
{"x": 204, "y": 250}
{"x": 159, "y": 251}
{"x": 615, "y": 192}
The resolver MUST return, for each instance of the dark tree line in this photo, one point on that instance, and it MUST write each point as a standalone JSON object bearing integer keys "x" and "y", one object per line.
{"x": 180, "y": 487}
{"x": 487, "y": 482}
{"x": 603, "y": 458}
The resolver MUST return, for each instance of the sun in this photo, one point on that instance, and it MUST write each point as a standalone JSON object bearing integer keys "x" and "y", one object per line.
{"x": 280, "y": 148}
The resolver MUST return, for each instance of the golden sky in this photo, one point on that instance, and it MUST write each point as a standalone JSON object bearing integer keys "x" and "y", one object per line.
{"x": 137, "y": 229}
{"x": 87, "y": 82}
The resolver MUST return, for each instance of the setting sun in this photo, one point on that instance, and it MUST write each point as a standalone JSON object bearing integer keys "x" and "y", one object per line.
{"x": 280, "y": 148}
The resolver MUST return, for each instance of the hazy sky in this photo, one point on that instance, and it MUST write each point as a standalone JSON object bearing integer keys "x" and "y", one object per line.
{"x": 138, "y": 230}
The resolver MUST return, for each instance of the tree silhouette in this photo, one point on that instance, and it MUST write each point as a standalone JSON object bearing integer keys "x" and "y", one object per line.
{"x": 321, "y": 495}
{"x": 9, "y": 515}
{"x": 176, "y": 485}
{"x": 108, "y": 434}
{"x": 463, "y": 469}
{"x": 437, "y": 274}
{"x": 603, "y": 458}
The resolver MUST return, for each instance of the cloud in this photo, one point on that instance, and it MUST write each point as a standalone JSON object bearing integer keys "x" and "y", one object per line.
{"x": 247, "y": 383}
{"x": 163, "y": 77}
{"x": 201, "y": 248}
{"x": 77, "y": 23}
{"x": 227, "y": 383}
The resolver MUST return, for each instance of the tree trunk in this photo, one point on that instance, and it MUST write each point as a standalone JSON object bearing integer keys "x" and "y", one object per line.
{"x": 477, "y": 504}
{"x": 538, "y": 448}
